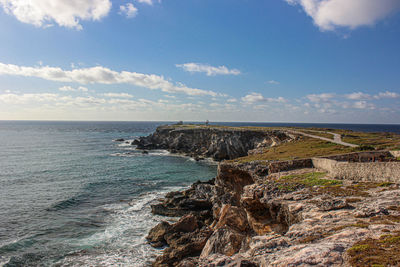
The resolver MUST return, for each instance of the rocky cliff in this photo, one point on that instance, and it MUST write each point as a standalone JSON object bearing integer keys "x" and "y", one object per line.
{"x": 218, "y": 143}
{"x": 247, "y": 216}
{"x": 246, "y": 219}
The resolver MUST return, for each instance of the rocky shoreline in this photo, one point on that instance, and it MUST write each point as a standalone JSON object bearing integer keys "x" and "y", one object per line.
{"x": 248, "y": 217}
{"x": 211, "y": 142}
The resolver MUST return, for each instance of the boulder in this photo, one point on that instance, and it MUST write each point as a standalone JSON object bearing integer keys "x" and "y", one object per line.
{"x": 157, "y": 233}
{"x": 223, "y": 241}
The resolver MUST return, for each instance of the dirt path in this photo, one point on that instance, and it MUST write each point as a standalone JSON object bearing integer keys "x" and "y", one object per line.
{"x": 337, "y": 139}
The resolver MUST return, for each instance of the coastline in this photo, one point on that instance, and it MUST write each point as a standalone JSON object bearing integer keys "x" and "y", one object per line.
{"x": 235, "y": 232}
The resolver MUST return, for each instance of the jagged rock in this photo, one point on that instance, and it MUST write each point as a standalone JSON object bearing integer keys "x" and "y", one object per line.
{"x": 185, "y": 224}
{"x": 327, "y": 204}
{"x": 244, "y": 218}
{"x": 197, "y": 200}
{"x": 183, "y": 245}
{"x": 234, "y": 218}
{"x": 214, "y": 142}
{"x": 119, "y": 140}
{"x": 224, "y": 241}
{"x": 157, "y": 233}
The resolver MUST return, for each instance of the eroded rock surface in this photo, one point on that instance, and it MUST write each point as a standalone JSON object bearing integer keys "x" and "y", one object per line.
{"x": 213, "y": 142}
{"x": 256, "y": 220}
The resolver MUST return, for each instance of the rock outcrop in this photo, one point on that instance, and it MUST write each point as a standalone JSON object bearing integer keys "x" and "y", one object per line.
{"x": 218, "y": 143}
{"x": 250, "y": 216}
{"x": 243, "y": 218}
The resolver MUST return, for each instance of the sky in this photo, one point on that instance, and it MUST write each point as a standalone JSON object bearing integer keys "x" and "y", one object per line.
{"x": 319, "y": 61}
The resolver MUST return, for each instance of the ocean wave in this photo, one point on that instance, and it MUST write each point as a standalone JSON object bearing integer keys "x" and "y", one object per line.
{"x": 126, "y": 143}
{"x": 123, "y": 241}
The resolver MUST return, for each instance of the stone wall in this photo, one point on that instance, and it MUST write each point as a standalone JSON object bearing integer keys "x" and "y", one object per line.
{"x": 367, "y": 156}
{"x": 280, "y": 166}
{"x": 357, "y": 171}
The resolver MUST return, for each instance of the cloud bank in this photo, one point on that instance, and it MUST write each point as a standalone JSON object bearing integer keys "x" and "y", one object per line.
{"x": 66, "y": 13}
{"x": 207, "y": 69}
{"x": 331, "y": 14}
{"x": 102, "y": 75}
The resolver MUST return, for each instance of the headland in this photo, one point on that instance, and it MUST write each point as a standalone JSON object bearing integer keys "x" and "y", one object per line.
{"x": 281, "y": 197}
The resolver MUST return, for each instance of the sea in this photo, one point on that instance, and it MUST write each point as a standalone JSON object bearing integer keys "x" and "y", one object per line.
{"x": 70, "y": 195}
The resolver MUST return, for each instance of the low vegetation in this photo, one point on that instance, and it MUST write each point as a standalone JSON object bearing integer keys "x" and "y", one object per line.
{"x": 378, "y": 141}
{"x": 376, "y": 252}
{"x": 304, "y": 147}
{"x": 309, "y": 179}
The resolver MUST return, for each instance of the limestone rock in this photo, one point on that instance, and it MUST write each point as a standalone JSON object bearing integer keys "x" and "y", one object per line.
{"x": 223, "y": 241}
{"x": 157, "y": 233}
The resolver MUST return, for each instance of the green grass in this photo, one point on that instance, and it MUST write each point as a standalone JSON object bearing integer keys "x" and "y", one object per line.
{"x": 292, "y": 183}
{"x": 310, "y": 179}
{"x": 359, "y": 248}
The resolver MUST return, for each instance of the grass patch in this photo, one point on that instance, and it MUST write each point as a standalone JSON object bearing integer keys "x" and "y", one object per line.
{"x": 317, "y": 133}
{"x": 304, "y": 147}
{"x": 377, "y": 140}
{"x": 310, "y": 179}
{"x": 386, "y": 184}
{"x": 356, "y": 191}
{"x": 376, "y": 252}
{"x": 359, "y": 248}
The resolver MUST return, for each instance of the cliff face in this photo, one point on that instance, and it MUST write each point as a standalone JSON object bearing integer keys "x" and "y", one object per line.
{"x": 250, "y": 216}
{"x": 244, "y": 218}
{"x": 214, "y": 142}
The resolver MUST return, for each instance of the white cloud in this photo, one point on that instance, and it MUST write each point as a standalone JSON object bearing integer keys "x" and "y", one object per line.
{"x": 363, "y": 105}
{"x": 331, "y": 14}
{"x": 102, "y": 75}
{"x": 364, "y": 96}
{"x": 71, "y": 89}
{"x": 209, "y": 70}
{"x": 148, "y": 2}
{"x": 273, "y": 82}
{"x": 317, "y": 98}
{"x": 358, "y": 96}
{"x": 26, "y": 98}
{"x": 170, "y": 96}
{"x": 66, "y": 13}
{"x": 128, "y": 10}
{"x": 387, "y": 94}
{"x": 257, "y": 97}
{"x": 231, "y": 100}
{"x": 118, "y": 95}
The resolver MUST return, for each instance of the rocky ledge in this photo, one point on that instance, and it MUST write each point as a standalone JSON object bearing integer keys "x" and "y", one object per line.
{"x": 218, "y": 143}
{"x": 251, "y": 215}
{"x": 298, "y": 218}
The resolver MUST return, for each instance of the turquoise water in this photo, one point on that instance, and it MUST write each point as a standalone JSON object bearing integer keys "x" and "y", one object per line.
{"x": 70, "y": 196}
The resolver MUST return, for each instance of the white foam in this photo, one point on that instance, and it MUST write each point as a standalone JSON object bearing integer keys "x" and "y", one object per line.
{"x": 126, "y": 143}
{"x": 4, "y": 261}
{"x": 123, "y": 242}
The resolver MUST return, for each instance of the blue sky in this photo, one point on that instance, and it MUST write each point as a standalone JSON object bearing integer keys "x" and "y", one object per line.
{"x": 226, "y": 60}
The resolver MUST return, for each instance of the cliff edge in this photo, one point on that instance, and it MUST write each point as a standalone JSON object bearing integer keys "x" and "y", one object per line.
{"x": 218, "y": 143}
{"x": 251, "y": 215}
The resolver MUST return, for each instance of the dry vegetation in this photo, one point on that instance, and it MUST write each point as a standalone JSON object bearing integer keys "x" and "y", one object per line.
{"x": 304, "y": 147}
{"x": 377, "y": 140}
{"x": 376, "y": 252}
